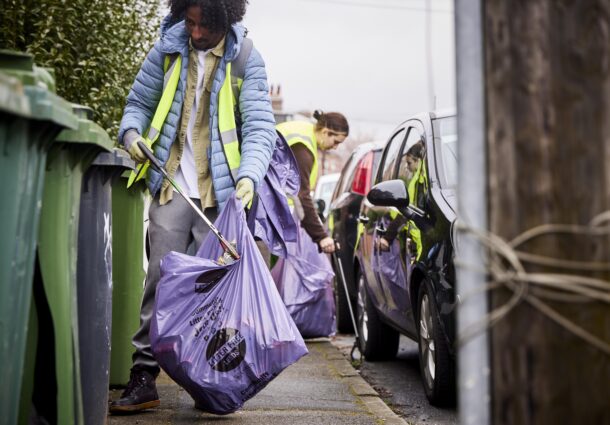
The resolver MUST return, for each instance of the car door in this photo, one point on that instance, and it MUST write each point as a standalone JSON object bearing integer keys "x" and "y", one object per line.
{"x": 395, "y": 249}
{"x": 373, "y": 218}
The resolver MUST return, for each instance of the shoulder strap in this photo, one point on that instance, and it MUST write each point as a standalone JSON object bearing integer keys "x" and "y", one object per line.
{"x": 238, "y": 67}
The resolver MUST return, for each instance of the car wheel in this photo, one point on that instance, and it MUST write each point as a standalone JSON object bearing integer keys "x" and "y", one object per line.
{"x": 436, "y": 365}
{"x": 344, "y": 319}
{"x": 378, "y": 341}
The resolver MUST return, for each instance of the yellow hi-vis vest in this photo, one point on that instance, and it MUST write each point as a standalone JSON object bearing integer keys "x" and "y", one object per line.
{"x": 228, "y": 99}
{"x": 420, "y": 177}
{"x": 302, "y": 132}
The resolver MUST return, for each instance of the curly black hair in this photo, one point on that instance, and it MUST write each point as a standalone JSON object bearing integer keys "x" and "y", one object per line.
{"x": 218, "y": 15}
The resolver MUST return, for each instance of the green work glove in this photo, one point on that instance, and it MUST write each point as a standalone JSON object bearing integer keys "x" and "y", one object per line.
{"x": 131, "y": 140}
{"x": 244, "y": 191}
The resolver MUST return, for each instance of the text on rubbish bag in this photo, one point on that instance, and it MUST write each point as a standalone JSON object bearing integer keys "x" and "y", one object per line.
{"x": 226, "y": 350}
{"x": 205, "y": 317}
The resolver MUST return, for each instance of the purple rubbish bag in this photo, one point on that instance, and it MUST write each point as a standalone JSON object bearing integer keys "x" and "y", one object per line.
{"x": 222, "y": 332}
{"x": 304, "y": 280}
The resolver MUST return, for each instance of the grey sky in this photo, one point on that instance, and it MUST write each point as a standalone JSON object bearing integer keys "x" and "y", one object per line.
{"x": 365, "y": 58}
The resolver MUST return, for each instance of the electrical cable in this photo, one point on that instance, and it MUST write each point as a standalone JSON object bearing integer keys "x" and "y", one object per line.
{"x": 505, "y": 269}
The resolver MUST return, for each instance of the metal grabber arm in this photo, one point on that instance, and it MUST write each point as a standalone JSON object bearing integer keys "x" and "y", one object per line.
{"x": 339, "y": 268}
{"x": 226, "y": 245}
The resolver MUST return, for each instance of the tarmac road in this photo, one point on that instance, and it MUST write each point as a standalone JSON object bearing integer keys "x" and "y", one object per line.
{"x": 398, "y": 383}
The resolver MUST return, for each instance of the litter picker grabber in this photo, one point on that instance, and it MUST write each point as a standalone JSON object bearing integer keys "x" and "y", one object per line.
{"x": 339, "y": 268}
{"x": 226, "y": 245}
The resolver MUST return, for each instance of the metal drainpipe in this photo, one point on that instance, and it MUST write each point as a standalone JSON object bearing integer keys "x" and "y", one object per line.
{"x": 473, "y": 356}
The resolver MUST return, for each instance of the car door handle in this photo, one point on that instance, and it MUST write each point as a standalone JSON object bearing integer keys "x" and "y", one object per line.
{"x": 363, "y": 219}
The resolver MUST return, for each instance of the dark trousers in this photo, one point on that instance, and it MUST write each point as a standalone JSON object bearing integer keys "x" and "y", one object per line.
{"x": 171, "y": 227}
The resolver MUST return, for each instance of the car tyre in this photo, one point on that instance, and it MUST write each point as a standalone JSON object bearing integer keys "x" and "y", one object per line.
{"x": 436, "y": 365}
{"x": 378, "y": 341}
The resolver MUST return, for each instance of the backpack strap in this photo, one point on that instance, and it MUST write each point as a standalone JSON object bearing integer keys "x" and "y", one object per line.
{"x": 238, "y": 67}
{"x": 238, "y": 71}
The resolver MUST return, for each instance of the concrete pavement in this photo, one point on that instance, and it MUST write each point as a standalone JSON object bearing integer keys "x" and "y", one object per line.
{"x": 321, "y": 388}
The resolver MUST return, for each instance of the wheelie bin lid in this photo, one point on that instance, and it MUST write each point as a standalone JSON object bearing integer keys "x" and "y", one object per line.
{"x": 22, "y": 66}
{"x": 12, "y": 97}
{"x": 115, "y": 158}
{"x": 39, "y": 87}
{"x": 87, "y": 131}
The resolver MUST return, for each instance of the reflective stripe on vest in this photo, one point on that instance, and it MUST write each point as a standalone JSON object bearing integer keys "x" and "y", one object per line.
{"x": 227, "y": 126}
{"x": 228, "y": 99}
{"x": 170, "y": 84}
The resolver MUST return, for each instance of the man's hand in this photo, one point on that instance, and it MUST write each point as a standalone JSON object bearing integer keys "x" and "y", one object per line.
{"x": 327, "y": 245}
{"x": 136, "y": 153}
{"x": 244, "y": 191}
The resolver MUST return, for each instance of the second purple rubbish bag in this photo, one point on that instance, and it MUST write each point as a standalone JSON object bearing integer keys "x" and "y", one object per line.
{"x": 221, "y": 331}
{"x": 304, "y": 280}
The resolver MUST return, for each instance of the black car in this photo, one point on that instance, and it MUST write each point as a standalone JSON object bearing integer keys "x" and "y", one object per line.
{"x": 353, "y": 185}
{"x": 404, "y": 258}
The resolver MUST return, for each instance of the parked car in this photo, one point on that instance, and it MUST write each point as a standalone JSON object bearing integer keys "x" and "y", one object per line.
{"x": 404, "y": 258}
{"x": 355, "y": 182}
{"x": 324, "y": 190}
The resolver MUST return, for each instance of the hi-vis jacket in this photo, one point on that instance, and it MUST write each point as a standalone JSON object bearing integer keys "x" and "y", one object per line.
{"x": 417, "y": 188}
{"x": 302, "y": 132}
{"x": 257, "y": 129}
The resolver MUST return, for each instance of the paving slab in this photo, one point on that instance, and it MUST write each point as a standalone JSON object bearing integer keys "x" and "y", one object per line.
{"x": 321, "y": 388}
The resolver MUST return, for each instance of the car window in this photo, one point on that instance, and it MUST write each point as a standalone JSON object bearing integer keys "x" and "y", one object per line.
{"x": 339, "y": 188}
{"x": 445, "y": 135}
{"x": 376, "y": 162}
{"x": 326, "y": 191}
{"x": 412, "y": 168}
{"x": 390, "y": 155}
{"x": 347, "y": 174}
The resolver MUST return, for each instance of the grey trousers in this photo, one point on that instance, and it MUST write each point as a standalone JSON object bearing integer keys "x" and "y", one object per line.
{"x": 171, "y": 227}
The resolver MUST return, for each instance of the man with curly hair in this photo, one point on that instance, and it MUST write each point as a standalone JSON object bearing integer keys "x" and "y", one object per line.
{"x": 216, "y": 136}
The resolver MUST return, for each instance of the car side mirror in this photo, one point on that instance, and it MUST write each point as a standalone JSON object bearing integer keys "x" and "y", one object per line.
{"x": 391, "y": 193}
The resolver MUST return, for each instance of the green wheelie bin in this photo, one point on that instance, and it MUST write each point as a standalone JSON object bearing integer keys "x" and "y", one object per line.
{"x": 56, "y": 392}
{"x": 128, "y": 273}
{"x": 94, "y": 280}
{"x": 31, "y": 116}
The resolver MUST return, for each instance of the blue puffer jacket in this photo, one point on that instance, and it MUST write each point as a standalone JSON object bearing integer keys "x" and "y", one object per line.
{"x": 258, "y": 124}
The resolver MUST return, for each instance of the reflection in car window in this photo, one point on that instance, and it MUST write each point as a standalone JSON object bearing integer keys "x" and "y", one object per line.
{"x": 391, "y": 155}
{"x": 445, "y": 133}
{"x": 412, "y": 170}
{"x": 405, "y": 170}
